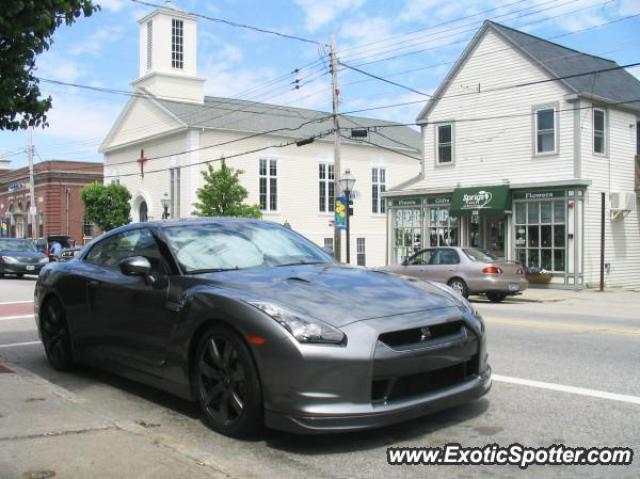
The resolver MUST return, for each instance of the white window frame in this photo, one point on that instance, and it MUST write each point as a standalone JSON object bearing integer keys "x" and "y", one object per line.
{"x": 177, "y": 44}
{"x": 605, "y": 142}
{"x": 323, "y": 183}
{"x": 451, "y": 144}
{"x": 361, "y": 251}
{"x": 536, "y": 110}
{"x": 149, "y": 44}
{"x": 174, "y": 192}
{"x": 268, "y": 177}
{"x": 380, "y": 186}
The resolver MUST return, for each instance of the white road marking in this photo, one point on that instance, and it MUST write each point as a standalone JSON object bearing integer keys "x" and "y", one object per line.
{"x": 9, "y": 318}
{"x": 15, "y": 345}
{"x": 17, "y": 302}
{"x": 567, "y": 389}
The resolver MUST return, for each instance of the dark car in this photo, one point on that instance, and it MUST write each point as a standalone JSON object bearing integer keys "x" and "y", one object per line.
{"x": 20, "y": 257}
{"x": 261, "y": 327}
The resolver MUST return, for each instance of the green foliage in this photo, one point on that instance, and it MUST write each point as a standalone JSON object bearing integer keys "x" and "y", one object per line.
{"x": 26, "y": 28}
{"x": 106, "y": 205}
{"x": 223, "y": 195}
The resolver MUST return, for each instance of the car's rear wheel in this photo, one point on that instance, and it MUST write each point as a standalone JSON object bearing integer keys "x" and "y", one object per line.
{"x": 55, "y": 335}
{"x": 496, "y": 297}
{"x": 460, "y": 286}
{"x": 227, "y": 385}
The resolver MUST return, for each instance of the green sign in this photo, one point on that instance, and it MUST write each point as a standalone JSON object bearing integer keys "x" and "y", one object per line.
{"x": 439, "y": 200}
{"x": 407, "y": 202}
{"x": 481, "y": 200}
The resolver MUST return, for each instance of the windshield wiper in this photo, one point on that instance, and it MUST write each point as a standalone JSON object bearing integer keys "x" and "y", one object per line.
{"x": 298, "y": 263}
{"x": 211, "y": 270}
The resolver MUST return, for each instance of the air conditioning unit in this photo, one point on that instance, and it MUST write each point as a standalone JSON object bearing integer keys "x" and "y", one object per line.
{"x": 621, "y": 203}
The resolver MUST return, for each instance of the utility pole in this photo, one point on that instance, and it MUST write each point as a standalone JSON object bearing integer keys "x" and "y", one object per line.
{"x": 32, "y": 210}
{"x": 335, "y": 92}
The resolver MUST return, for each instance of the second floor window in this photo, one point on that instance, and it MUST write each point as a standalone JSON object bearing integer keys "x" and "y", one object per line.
{"x": 599, "y": 125}
{"x": 177, "y": 43}
{"x": 545, "y": 124}
{"x": 326, "y": 179}
{"x": 378, "y": 185}
{"x": 268, "y": 185}
{"x": 444, "y": 143}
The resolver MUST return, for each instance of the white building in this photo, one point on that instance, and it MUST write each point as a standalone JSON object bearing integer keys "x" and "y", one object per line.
{"x": 518, "y": 147}
{"x": 178, "y": 129}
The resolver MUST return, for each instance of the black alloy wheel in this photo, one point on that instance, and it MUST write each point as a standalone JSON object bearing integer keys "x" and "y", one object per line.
{"x": 55, "y": 335}
{"x": 496, "y": 297}
{"x": 227, "y": 385}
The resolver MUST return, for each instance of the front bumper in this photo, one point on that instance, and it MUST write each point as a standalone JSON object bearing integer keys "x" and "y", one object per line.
{"x": 23, "y": 268}
{"x": 371, "y": 382}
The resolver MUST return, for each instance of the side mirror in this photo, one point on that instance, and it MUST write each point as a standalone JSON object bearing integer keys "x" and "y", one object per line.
{"x": 135, "y": 266}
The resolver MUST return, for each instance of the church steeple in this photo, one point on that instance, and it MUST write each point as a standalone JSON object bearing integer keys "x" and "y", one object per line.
{"x": 168, "y": 47}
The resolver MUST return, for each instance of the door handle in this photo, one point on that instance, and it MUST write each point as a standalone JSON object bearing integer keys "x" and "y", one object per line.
{"x": 451, "y": 269}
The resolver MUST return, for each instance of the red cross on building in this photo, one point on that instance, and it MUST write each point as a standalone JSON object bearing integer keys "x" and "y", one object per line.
{"x": 142, "y": 160}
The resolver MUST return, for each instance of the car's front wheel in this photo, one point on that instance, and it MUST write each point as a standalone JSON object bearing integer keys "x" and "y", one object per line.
{"x": 55, "y": 335}
{"x": 226, "y": 384}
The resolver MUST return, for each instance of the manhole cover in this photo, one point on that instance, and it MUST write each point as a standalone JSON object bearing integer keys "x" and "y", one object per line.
{"x": 4, "y": 369}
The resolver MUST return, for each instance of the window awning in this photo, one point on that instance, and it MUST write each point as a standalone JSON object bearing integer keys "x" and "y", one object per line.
{"x": 481, "y": 200}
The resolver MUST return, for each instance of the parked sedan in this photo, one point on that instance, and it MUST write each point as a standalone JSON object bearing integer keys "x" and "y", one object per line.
{"x": 466, "y": 270}
{"x": 261, "y": 327}
{"x": 20, "y": 257}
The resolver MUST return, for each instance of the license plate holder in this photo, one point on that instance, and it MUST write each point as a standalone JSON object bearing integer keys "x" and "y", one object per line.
{"x": 31, "y": 268}
{"x": 513, "y": 287}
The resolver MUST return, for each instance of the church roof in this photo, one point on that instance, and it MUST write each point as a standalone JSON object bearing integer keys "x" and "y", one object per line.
{"x": 250, "y": 116}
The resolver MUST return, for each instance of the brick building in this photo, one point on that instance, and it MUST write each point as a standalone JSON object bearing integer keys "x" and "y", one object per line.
{"x": 60, "y": 210}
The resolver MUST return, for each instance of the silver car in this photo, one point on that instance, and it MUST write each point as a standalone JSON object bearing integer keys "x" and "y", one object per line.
{"x": 467, "y": 270}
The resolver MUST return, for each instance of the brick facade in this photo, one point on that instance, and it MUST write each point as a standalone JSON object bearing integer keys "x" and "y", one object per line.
{"x": 57, "y": 190}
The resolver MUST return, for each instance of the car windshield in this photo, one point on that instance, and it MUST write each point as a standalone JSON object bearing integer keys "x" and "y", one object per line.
{"x": 23, "y": 246}
{"x": 238, "y": 245}
{"x": 477, "y": 255}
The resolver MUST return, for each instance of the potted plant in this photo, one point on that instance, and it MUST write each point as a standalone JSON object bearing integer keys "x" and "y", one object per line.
{"x": 537, "y": 274}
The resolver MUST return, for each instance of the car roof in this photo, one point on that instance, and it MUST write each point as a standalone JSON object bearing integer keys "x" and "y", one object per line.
{"x": 161, "y": 224}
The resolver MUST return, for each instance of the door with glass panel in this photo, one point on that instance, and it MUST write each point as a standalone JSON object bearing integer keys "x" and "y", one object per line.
{"x": 540, "y": 234}
{"x": 443, "y": 228}
{"x": 407, "y": 232}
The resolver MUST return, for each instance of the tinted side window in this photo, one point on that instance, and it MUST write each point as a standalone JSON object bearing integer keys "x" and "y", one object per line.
{"x": 421, "y": 258}
{"x": 445, "y": 256}
{"x": 110, "y": 251}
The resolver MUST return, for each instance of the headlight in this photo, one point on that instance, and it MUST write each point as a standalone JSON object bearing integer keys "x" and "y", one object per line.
{"x": 10, "y": 260}
{"x": 43, "y": 260}
{"x": 304, "y": 330}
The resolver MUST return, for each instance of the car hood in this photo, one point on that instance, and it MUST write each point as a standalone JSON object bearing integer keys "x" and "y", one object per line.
{"x": 336, "y": 294}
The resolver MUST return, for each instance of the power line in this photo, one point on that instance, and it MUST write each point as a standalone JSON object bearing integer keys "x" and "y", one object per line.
{"x": 376, "y": 77}
{"x": 237, "y": 24}
{"x": 361, "y": 140}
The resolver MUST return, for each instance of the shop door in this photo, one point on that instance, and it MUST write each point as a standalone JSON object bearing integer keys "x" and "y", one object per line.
{"x": 495, "y": 236}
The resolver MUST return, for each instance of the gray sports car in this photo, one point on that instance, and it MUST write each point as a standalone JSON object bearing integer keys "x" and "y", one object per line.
{"x": 261, "y": 327}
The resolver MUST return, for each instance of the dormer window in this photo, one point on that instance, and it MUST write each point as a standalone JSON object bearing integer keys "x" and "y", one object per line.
{"x": 177, "y": 43}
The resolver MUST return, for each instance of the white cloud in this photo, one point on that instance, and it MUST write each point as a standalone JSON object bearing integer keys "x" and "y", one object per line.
{"x": 94, "y": 43}
{"x": 113, "y": 5}
{"x": 55, "y": 67}
{"x": 318, "y": 13}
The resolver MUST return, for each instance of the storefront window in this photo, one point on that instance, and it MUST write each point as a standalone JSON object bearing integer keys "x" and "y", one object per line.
{"x": 540, "y": 240}
{"x": 407, "y": 232}
{"x": 443, "y": 228}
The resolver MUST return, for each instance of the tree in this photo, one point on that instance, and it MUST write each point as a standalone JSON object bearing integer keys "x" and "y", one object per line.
{"x": 26, "y": 28}
{"x": 223, "y": 195}
{"x": 106, "y": 205}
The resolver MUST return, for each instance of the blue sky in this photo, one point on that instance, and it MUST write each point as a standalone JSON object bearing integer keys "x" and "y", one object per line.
{"x": 102, "y": 51}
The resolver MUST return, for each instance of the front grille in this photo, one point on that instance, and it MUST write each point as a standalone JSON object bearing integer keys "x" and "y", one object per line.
{"x": 419, "y": 335}
{"x": 27, "y": 259}
{"x": 406, "y": 387}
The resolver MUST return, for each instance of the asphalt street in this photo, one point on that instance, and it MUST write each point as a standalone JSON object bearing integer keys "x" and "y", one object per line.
{"x": 566, "y": 371}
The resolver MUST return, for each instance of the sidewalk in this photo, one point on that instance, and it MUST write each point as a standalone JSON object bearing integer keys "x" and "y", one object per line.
{"x": 548, "y": 295}
{"x": 45, "y": 432}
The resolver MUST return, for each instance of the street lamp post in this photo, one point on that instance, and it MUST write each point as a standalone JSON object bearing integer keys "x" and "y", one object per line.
{"x": 347, "y": 180}
{"x": 165, "y": 202}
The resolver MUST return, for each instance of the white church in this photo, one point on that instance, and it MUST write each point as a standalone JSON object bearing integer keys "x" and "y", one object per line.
{"x": 166, "y": 134}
